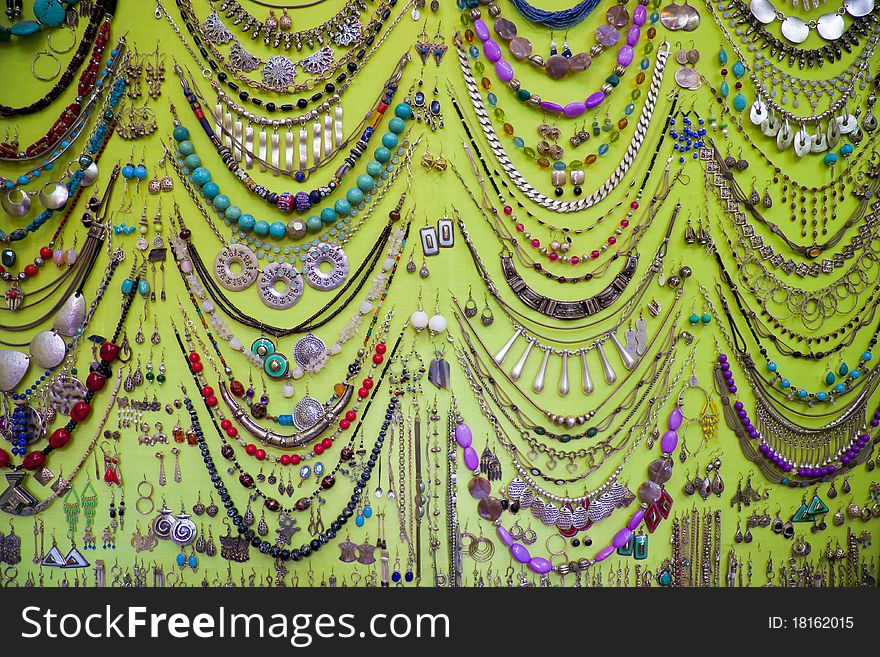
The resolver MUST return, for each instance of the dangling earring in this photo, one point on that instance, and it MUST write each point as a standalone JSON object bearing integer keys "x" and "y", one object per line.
{"x": 470, "y": 307}
{"x": 423, "y": 272}
{"x": 738, "y": 537}
{"x": 439, "y": 47}
{"x": 423, "y": 47}
{"x": 439, "y": 371}
{"x": 832, "y": 491}
{"x": 437, "y": 323}
{"x": 767, "y": 200}
{"x": 419, "y": 319}
{"x": 411, "y": 265}
{"x": 845, "y": 487}
{"x": 486, "y": 317}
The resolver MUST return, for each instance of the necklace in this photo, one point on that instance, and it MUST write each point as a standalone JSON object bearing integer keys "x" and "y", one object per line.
{"x": 351, "y": 69}
{"x": 299, "y": 161}
{"x": 301, "y": 201}
{"x": 507, "y": 165}
{"x": 506, "y": 73}
{"x": 276, "y": 32}
{"x": 61, "y": 128}
{"x": 830, "y": 26}
{"x": 561, "y": 19}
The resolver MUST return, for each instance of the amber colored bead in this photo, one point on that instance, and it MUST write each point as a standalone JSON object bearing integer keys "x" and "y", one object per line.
{"x": 177, "y": 433}
{"x": 508, "y": 130}
{"x": 652, "y": 32}
{"x": 469, "y": 35}
{"x": 486, "y": 83}
{"x": 640, "y": 77}
{"x": 338, "y": 389}
{"x": 543, "y": 162}
{"x": 590, "y": 159}
{"x": 621, "y": 125}
{"x": 236, "y": 388}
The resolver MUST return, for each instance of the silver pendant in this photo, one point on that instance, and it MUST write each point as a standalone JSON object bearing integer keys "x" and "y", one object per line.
{"x": 279, "y": 72}
{"x": 69, "y": 320}
{"x": 13, "y": 366}
{"x": 607, "y": 370}
{"x": 830, "y": 26}
{"x": 858, "y": 8}
{"x": 586, "y": 379}
{"x": 445, "y": 233}
{"x": 242, "y": 256}
{"x": 563, "y": 377}
{"x": 48, "y": 349}
{"x": 802, "y": 142}
{"x": 338, "y": 261}
{"x": 758, "y": 112}
{"x": 309, "y": 351}
{"x": 307, "y": 412}
{"x": 54, "y": 196}
{"x": 64, "y": 393}
{"x": 794, "y": 29}
{"x": 287, "y": 276}
{"x": 763, "y": 11}
{"x": 540, "y": 377}
{"x": 429, "y": 240}
{"x": 315, "y": 64}
{"x": 517, "y": 370}
{"x": 16, "y": 202}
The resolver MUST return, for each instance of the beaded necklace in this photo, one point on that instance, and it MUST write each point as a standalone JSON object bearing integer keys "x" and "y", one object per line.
{"x": 507, "y": 165}
{"x": 61, "y": 128}
{"x": 300, "y": 201}
{"x": 100, "y": 12}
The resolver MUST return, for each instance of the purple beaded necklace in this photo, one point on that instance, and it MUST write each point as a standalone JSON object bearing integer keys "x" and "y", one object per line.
{"x": 505, "y": 71}
{"x": 656, "y": 503}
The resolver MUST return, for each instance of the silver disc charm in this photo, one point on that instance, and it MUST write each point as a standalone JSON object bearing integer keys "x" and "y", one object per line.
{"x": 13, "y": 366}
{"x": 858, "y": 8}
{"x": 830, "y": 26}
{"x": 794, "y": 29}
{"x": 54, "y": 195}
{"x": 48, "y": 349}
{"x": 64, "y": 393}
{"x": 307, "y": 412}
{"x": 319, "y": 255}
{"x": 763, "y": 11}
{"x": 285, "y": 275}
{"x": 308, "y": 351}
{"x": 69, "y": 320}
{"x": 236, "y": 254}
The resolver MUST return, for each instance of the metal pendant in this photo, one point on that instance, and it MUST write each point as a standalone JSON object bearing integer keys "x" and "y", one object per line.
{"x": 785, "y": 136}
{"x": 758, "y": 112}
{"x": 70, "y": 319}
{"x": 794, "y": 29}
{"x": 586, "y": 380}
{"x": 307, "y": 412}
{"x": 869, "y": 122}
{"x": 517, "y": 370}
{"x": 763, "y": 11}
{"x": 26, "y": 424}
{"x": 13, "y": 366}
{"x": 563, "y": 376}
{"x": 338, "y": 261}
{"x": 541, "y": 376}
{"x": 688, "y": 78}
{"x": 801, "y": 142}
{"x": 309, "y": 352}
{"x": 830, "y": 26}
{"x": 16, "y": 202}
{"x": 64, "y": 393}
{"x": 858, "y": 8}
{"x": 279, "y": 273}
{"x": 608, "y": 371}
{"x": 48, "y": 349}
{"x": 430, "y": 247}
{"x": 54, "y": 195}
{"x": 245, "y": 258}
{"x": 445, "y": 233}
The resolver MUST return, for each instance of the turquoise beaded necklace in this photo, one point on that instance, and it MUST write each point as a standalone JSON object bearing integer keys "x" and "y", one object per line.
{"x": 48, "y": 14}
{"x": 334, "y": 221}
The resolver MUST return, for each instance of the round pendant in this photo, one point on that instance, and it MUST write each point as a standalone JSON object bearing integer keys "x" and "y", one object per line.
{"x": 90, "y": 173}
{"x": 858, "y": 8}
{"x": 308, "y": 351}
{"x": 672, "y": 17}
{"x": 794, "y": 29}
{"x": 802, "y": 142}
{"x": 848, "y": 124}
{"x": 48, "y": 349}
{"x": 263, "y": 347}
{"x": 275, "y": 366}
{"x": 687, "y": 78}
{"x": 758, "y": 113}
{"x": 830, "y": 26}
{"x": 763, "y": 11}
{"x": 69, "y": 320}
{"x": 16, "y": 202}
{"x": 54, "y": 196}
{"x": 335, "y": 257}
{"x": 25, "y": 424}
{"x": 245, "y": 261}
{"x": 818, "y": 143}
{"x": 13, "y": 366}
{"x": 784, "y": 137}
{"x": 283, "y": 275}
{"x": 307, "y": 412}
{"x": 64, "y": 393}
{"x": 183, "y": 531}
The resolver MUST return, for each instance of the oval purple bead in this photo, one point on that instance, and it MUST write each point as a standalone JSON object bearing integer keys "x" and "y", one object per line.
{"x": 471, "y": 460}
{"x": 463, "y": 435}
{"x": 551, "y": 107}
{"x": 504, "y": 70}
{"x": 675, "y": 418}
{"x": 504, "y": 535}
{"x": 492, "y": 50}
{"x": 574, "y": 109}
{"x": 640, "y": 15}
{"x": 669, "y": 442}
{"x": 636, "y": 520}
{"x": 594, "y": 100}
{"x": 621, "y": 538}
{"x": 625, "y": 56}
{"x": 481, "y": 29}
{"x": 540, "y": 565}
{"x": 604, "y": 553}
{"x": 633, "y": 36}
{"x": 520, "y": 553}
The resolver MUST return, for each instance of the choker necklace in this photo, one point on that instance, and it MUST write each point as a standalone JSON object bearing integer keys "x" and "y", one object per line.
{"x": 561, "y": 19}
{"x": 101, "y": 13}
{"x": 521, "y": 183}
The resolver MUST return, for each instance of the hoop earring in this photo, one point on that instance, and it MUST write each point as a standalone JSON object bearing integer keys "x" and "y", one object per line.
{"x": 65, "y": 50}
{"x": 45, "y": 53}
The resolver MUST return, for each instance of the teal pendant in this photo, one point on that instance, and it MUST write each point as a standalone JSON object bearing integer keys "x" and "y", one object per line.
{"x": 830, "y": 379}
{"x": 722, "y": 56}
{"x": 739, "y": 69}
{"x": 640, "y": 546}
{"x": 143, "y": 287}
{"x": 739, "y": 103}
{"x": 725, "y": 89}
{"x": 626, "y": 550}
{"x": 843, "y": 370}
{"x": 49, "y": 12}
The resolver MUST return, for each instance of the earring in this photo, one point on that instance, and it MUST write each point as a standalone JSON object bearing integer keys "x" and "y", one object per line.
{"x": 423, "y": 272}
{"x": 437, "y": 324}
{"x": 423, "y": 47}
{"x": 439, "y": 48}
{"x": 738, "y": 537}
{"x": 470, "y": 306}
{"x": 419, "y": 319}
{"x": 486, "y": 317}
{"x": 411, "y": 265}
{"x": 51, "y": 76}
{"x": 155, "y": 74}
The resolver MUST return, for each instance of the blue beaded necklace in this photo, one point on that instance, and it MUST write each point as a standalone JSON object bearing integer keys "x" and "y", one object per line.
{"x": 48, "y": 14}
